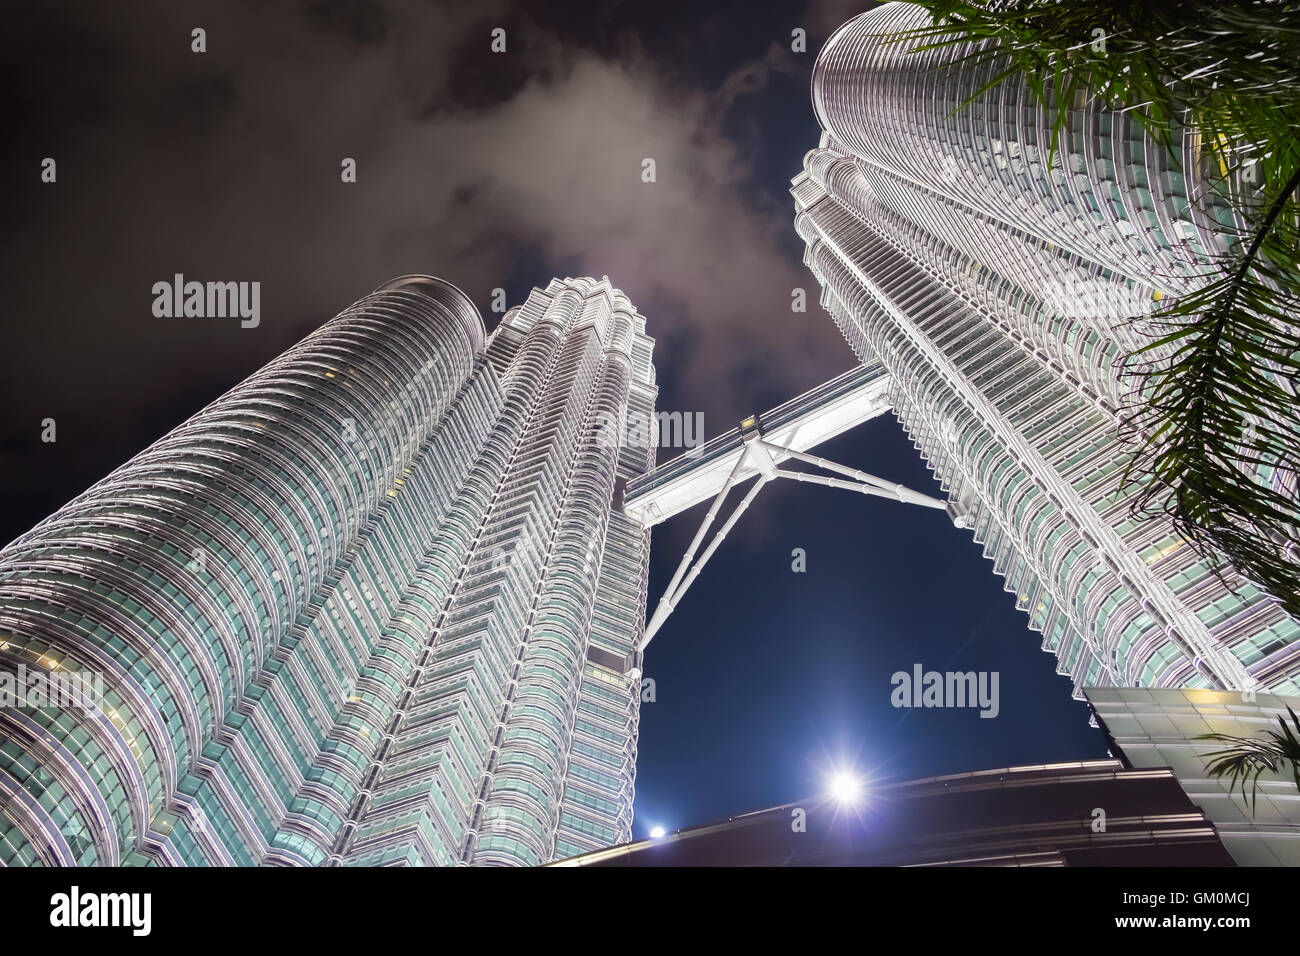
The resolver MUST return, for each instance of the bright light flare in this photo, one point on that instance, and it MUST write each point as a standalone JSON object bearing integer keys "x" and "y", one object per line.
{"x": 657, "y": 832}
{"x": 845, "y": 787}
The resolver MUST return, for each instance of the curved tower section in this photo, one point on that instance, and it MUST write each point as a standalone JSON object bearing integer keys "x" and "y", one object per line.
{"x": 180, "y": 575}
{"x": 993, "y": 286}
{"x": 354, "y": 611}
{"x": 1109, "y": 193}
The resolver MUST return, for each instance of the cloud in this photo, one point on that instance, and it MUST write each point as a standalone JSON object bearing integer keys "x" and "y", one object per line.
{"x": 488, "y": 169}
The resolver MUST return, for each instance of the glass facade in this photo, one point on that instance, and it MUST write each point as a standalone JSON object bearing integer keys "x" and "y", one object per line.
{"x": 1159, "y": 727}
{"x": 992, "y": 285}
{"x": 369, "y": 607}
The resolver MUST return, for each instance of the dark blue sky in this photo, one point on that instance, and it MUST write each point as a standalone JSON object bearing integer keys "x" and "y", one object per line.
{"x": 505, "y": 170}
{"x": 766, "y": 678}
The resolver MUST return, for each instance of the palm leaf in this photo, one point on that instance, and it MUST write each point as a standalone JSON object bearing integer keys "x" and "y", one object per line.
{"x": 1249, "y": 758}
{"x": 1215, "y": 387}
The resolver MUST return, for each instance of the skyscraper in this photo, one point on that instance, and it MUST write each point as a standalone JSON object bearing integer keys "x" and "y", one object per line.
{"x": 992, "y": 279}
{"x": 372, "y": 605}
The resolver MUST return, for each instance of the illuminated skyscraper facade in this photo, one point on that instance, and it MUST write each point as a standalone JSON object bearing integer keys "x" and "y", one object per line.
{"x": 372, "y": 606}
{"x": 992, "y": 284}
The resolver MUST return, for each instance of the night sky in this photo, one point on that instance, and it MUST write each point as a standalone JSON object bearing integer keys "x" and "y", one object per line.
{"x": 504, "y": 170}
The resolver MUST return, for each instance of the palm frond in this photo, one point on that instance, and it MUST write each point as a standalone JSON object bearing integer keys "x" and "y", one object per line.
{"x": 1213, "y": 424}
{"x": 1249, "y": 758}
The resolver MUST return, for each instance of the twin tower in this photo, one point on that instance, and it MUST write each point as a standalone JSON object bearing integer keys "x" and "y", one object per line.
{"x": 380, "y": 603}
{"x": 372, "y": 606}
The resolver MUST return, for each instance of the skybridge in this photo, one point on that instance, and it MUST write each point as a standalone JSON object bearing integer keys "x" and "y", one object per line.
{"x": 756, "y": 449}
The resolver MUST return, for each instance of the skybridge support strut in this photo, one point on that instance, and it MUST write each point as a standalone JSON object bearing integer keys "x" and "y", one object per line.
{"x": 762, "y": 456}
